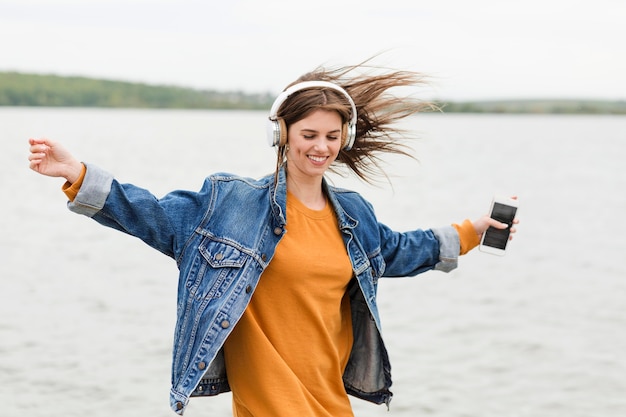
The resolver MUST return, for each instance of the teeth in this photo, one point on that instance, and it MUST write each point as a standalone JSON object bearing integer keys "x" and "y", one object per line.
{"x": 317, "y": 158}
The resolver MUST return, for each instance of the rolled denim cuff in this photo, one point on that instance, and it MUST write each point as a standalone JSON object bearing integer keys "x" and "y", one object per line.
{"x": 93, "y": 192}
{"x": 449, "y": 248}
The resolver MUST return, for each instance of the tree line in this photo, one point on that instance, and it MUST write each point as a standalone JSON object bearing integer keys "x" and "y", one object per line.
{"x": 20, "y": 89}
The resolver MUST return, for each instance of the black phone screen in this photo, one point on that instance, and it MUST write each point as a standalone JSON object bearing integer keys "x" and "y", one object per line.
{"x": 498, "y": 238}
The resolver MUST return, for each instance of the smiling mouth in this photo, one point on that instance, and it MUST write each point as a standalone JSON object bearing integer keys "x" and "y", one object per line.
{"x": 317, "y": 158}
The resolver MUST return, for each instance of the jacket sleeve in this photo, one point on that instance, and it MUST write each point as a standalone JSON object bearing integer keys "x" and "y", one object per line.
{"x": 411, "y": 253}
{"x": 164, "y": 223}
{"x": 449, "y": 248}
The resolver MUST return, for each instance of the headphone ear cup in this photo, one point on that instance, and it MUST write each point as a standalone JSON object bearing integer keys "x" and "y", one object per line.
{"x": 348, "y": 135}
{"x": 282, "y": 132}
{"x": 276, "y": 132}
{"x": 273, "y": 132}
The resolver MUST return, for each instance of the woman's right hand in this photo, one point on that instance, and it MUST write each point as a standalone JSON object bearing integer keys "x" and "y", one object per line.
{"x": 50, "y": 158}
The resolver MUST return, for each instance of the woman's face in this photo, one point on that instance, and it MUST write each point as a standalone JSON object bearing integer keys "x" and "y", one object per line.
{"x": 314, "y": 143}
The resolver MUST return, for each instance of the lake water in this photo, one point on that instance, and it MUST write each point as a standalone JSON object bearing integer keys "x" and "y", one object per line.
{"x": 87, "y": 314}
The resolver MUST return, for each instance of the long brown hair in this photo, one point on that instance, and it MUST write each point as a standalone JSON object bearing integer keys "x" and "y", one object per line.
{"x": 378, "y": 111}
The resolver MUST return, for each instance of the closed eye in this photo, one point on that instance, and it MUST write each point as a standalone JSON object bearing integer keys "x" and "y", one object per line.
{"x": 312, "y": 134}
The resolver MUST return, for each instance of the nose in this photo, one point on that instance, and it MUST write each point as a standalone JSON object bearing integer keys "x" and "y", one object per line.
{"x": 322, "y": 144}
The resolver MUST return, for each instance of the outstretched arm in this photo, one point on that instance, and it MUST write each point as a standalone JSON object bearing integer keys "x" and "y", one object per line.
{"x": 161, "y": 223}
{"x": 50, "y": 158}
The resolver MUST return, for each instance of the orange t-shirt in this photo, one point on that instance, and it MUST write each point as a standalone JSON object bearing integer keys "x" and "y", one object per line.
{"x": 287, "y": 354}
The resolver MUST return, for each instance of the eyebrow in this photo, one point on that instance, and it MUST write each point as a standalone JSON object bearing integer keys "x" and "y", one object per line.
{"x": 315, "y": 131}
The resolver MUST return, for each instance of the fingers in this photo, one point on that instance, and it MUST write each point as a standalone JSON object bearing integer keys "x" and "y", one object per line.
{"x": 39, "y": 141}
{"x": 500, "y": 225}
{"x": 497, "y": 224}
{"x": 38, "y": 149}
{"x": 513, "y": 229}
{"x": 42, "y": 143}
{"x": 35, "y": 161}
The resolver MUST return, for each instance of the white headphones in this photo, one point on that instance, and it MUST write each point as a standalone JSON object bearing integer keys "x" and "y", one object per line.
{"x": 277, "y": 130}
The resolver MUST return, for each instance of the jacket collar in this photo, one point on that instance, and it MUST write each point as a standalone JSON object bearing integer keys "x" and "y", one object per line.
{"x": 344, "y": 219}
{"x": 278, "y": 195}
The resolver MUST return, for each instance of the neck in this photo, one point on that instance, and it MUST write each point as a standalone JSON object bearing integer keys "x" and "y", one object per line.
{"x": 309, "y": 193}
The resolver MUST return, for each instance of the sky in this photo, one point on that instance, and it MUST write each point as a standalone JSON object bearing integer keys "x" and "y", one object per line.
{"x": 479, "y": 49}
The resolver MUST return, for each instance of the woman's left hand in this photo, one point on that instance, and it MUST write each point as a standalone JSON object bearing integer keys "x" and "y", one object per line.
{"x": 483, "y": 223}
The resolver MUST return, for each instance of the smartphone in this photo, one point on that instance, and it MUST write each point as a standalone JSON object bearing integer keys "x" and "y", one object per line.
{"x": 494, "y": 241}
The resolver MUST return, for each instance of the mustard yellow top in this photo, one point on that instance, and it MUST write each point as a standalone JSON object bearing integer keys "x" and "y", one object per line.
{"x": 297, "y": 327}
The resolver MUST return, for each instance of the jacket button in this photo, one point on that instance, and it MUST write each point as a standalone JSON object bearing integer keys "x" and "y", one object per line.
{"x": 225, "y": 324}
{"x": 179, "y": 405}
{"x": 248, "y": 289}
{"x": 219, "y": 256}
{"x": 278, "y": 230}
{"x": 201, "y": 365}
{"x": 264, "y": 257}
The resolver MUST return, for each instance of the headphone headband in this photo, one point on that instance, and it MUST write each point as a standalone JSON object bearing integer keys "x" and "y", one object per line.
{"x": 274, "y": 128}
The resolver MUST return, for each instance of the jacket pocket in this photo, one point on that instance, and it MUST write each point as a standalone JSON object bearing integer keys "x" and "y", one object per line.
{"x": 377, "y": 267}
{"x": 215, "y": 268}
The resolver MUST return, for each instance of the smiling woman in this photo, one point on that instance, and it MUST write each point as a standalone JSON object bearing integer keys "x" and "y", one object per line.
{"x": 278, "y": 276}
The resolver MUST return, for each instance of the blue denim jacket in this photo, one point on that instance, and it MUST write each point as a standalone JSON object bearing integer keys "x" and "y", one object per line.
{"x": 225, "y": 235}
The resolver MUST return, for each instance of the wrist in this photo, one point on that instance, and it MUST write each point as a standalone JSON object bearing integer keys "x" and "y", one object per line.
{"x": 75, "y": 171}
{"x": 71, "y": 189}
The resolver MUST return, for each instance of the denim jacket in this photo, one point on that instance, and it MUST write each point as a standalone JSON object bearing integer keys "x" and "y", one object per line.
{"x": 225, "y": 235}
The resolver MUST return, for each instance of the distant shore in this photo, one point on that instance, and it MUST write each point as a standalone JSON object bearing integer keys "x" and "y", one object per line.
{"x": 21, "y": 89}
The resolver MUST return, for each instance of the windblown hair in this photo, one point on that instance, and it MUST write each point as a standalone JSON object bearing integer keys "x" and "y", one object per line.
{"x": 378, "y": 111}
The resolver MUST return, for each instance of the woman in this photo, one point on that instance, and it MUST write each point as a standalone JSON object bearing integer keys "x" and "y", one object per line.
{"x": 278, "y": 276}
